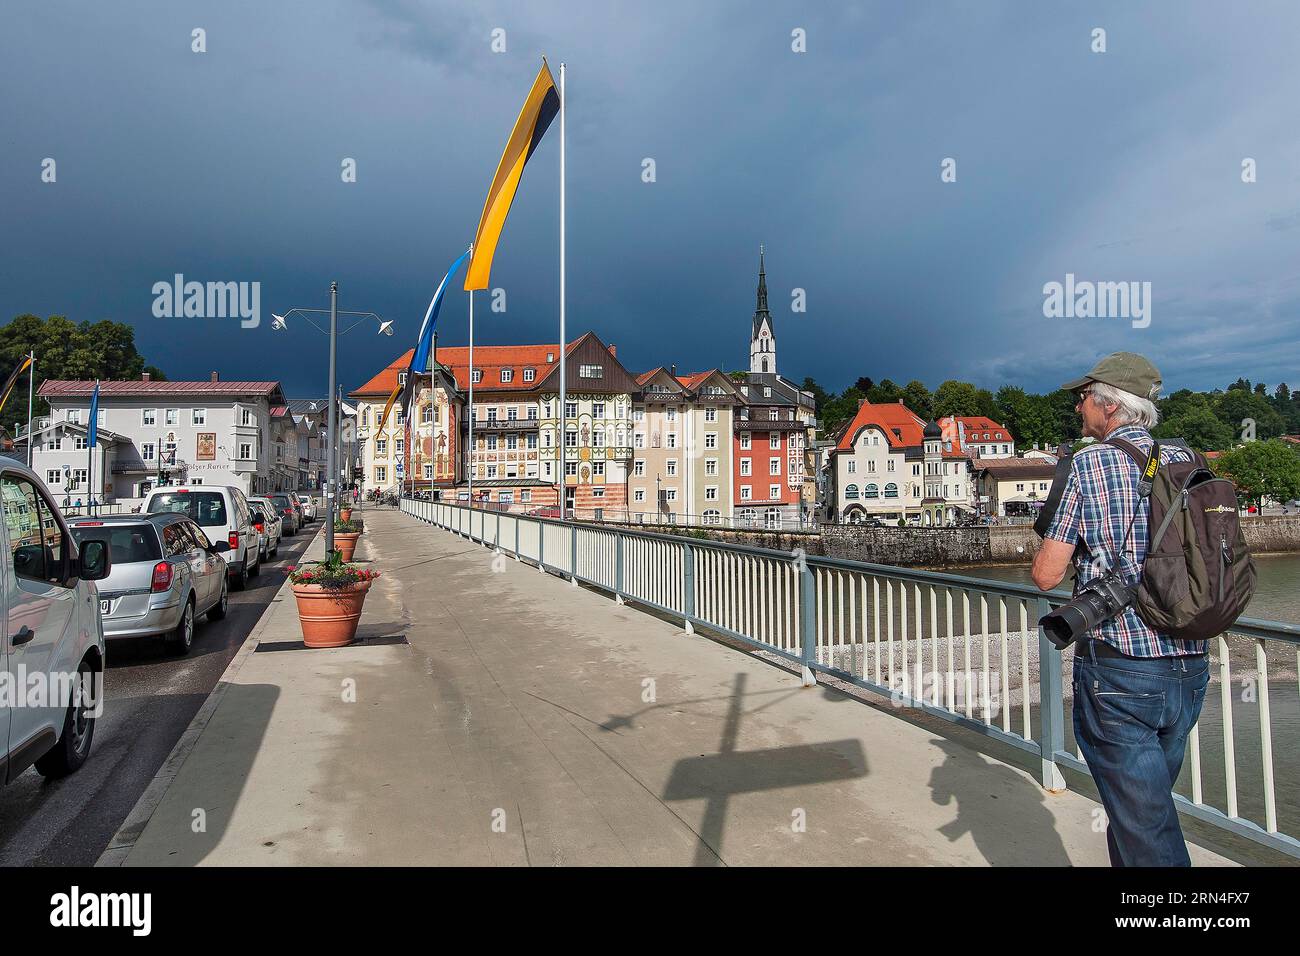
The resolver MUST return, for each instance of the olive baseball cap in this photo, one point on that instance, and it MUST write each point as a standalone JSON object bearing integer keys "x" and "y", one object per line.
{"x": 1127, "y": 371}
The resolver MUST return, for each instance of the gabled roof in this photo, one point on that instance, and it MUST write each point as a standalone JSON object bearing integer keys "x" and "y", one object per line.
{"x": 384, "y": 383}
{"x": 978, "y": 428}
{"x": 901, "y": 426}
{"x": 1010, "y": 468}
{"x": 68, "y": 388}
{"x": 491, "y": 359}
{"x": 63, "y": 425}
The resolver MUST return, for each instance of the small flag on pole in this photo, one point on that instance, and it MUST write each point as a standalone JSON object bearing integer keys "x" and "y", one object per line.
{"x": 92, "y": 430}
{"x": 540, "y": 107}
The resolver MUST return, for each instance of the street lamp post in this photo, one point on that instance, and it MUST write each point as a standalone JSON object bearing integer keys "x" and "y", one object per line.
{"x": 279, "y": 324}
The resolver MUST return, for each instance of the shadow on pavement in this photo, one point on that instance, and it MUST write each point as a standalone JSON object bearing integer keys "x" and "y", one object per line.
{"x": 189, "y": 828}
{"x": 714, "y": 778}
{"x": 1012, "y": 827}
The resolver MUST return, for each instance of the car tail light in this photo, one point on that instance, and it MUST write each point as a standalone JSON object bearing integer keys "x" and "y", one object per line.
{"x": 162, "y": 577}
{"x": 288, "y": 511}
{"x": 260, "y": 528}
{"x": 234, "y": 540}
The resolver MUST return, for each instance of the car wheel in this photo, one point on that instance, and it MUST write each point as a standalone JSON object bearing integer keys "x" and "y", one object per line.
{"x": 218, "y": 610}
{"x": 241, "y": 577}
{"x": 180, "y": 640}
{"x": 73, "y": 746}
{"x": 257, "y": 568}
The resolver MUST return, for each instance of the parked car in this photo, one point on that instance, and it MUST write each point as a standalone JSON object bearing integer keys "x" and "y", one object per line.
{"x": 308, "y": 508}
{"x": 269, "y": 527}
{"x": 166, "y": 574}
{"x": 288, "y": 509}
{"x": 50, "y": 602}
{"x": 222, "y": 512}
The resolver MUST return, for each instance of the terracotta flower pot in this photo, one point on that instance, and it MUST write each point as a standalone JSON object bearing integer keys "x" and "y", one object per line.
{"x": 345, "y": 514}
{"x": 329, "y": 616}
{"x": 346, "y": 543}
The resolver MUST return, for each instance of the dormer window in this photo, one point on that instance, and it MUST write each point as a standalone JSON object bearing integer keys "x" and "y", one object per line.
{"x": 401, "y": 379}
{"x": 550, "y": 357}
{"x": 507, "y": 375}
{"x": 530, "y": 374}
{"x": 476, "y": 376}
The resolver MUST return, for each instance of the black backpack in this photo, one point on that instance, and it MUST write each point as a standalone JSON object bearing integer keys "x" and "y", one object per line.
{"x": 1198, "y": 575}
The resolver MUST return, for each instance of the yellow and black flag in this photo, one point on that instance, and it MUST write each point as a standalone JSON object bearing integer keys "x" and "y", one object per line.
{"x": 23, "y": 366}
{"x": 539, "y": 110}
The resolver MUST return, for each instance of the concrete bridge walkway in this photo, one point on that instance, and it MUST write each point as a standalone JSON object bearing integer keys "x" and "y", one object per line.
{"x": 531, "y": 722}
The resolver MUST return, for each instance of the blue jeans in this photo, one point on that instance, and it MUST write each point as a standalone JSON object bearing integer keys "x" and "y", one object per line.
{"x": 1131, "y": 721}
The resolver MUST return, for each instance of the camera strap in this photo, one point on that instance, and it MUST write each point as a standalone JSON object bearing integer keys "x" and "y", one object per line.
{"x": 1146, "y": 480}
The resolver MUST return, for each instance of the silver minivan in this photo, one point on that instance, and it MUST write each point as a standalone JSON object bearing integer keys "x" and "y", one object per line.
{"x": 222, "y": 512}
{"x": 166, "y": 573}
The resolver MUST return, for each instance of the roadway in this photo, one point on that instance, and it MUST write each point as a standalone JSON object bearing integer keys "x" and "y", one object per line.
{"x": 150, "y": 698}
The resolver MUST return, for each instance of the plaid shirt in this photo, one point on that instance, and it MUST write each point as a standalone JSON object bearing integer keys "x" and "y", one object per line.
{"x": 1096, "y": 507}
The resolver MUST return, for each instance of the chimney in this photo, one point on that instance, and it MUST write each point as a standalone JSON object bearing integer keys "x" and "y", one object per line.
{"x": 214, "y": 377}
{"x": 145, "y": 377}
{"x": 613, "y": 350}
{"x": 672, "y": 370}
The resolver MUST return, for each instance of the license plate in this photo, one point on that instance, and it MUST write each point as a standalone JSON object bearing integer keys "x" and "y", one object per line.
{"x": 104, "y": 606}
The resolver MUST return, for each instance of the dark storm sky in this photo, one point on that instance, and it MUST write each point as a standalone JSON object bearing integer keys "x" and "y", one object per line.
{"x": 225, "y": 166}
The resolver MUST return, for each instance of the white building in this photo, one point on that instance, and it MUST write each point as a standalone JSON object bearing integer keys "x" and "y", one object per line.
{"x": 977, "y": 436}
{"x": 157, "y": 433}
{"x": 890, "y": 465}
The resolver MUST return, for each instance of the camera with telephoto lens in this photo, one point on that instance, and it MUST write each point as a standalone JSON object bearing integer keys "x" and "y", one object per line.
{"x": 1096, "y": 603}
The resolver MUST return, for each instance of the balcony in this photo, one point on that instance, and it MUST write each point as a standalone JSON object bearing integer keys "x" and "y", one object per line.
{"x": 505, "y": 425}
{"x": 758, "y": 425}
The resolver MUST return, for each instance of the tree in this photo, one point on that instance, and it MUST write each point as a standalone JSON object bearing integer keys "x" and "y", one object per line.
{"x": 65, "y": 349}
{"x": 1199, "y": 427}
{"x": 1237, "y": 407}
{"x": 1069, "y": 425}
{"x": 886, "y": 393}
{"x": 1262, "y": 469}
{"x": 1182, "y": 402}
{"x": 917, "y": 397}
{"x": 864, "y": 385}
{"x": 963, "y": 398}
{"x": 819, "y": 394}
{"x": 1012, "y": 403}
{"x": 839, "y": 409}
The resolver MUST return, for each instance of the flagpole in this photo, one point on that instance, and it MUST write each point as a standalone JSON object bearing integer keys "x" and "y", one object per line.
{"x": 563, "y": 393}
{"x": 469, "y": 459}
{"x": 31, "y": 384}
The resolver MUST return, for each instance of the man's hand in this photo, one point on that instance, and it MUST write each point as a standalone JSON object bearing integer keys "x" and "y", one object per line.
{"x": 1051, "y": 562}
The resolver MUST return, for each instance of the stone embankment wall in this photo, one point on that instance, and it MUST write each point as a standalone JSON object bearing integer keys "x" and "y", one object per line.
{"x": 939, "y": 547}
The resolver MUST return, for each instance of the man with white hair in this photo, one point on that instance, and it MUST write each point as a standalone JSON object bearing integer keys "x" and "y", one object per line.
{"x": 1137, "y": 693}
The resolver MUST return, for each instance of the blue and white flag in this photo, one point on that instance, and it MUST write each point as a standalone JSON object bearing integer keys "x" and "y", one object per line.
{"x": 92, "y": 429}
{"x": 424, "y": 343}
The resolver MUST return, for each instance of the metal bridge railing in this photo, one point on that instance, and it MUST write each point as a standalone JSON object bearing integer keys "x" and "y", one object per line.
{"x": 967, "y": 650}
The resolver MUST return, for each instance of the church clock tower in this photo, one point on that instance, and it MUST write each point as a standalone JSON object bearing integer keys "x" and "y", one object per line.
{"x": 762, "y": 338}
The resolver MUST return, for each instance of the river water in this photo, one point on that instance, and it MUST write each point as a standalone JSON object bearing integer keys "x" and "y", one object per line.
{"x": 1276, "y": 598}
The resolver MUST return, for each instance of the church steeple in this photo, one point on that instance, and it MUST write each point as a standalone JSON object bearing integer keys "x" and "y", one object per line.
{"x": 762, "y": 336}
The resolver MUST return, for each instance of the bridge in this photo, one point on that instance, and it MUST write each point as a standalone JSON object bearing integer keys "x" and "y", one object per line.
{"x": 949, "y": 675}
{"x": 529, "y": 691}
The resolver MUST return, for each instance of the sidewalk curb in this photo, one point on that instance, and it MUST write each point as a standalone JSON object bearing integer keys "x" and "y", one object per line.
{"x": 123, "y": 842}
